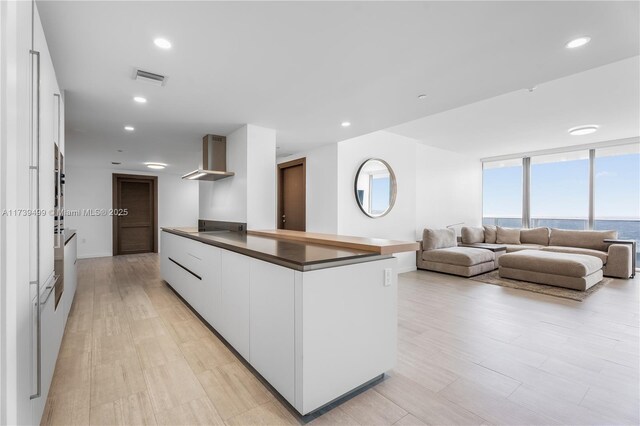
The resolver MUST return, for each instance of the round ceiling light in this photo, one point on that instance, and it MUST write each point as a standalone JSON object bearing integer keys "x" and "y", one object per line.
{"x": 583, "y": 130}
{"x": 129, "y": 128}
{"x": 140, "y": 99}
{"x": 345, "y": 124}
{"x": 157, "y": 166}
{"x": 577, "y": 42}
{"x": 162, "y": 43}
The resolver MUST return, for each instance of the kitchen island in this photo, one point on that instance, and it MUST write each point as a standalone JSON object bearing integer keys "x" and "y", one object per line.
{"x": 316, "y": 321}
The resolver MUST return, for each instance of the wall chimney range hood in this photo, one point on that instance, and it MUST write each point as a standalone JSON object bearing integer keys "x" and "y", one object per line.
{"x": 214, "y": 160}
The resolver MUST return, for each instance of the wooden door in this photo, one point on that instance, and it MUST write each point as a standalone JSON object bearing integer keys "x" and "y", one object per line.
{"x": 292, "y": 195}
{"x": 135, "y": 219}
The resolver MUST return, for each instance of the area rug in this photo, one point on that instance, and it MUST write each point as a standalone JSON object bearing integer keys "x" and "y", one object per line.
{"x": 494, "y": 278}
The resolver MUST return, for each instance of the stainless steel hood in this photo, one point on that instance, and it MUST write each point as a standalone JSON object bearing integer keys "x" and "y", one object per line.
{"x": 214, "y": 160}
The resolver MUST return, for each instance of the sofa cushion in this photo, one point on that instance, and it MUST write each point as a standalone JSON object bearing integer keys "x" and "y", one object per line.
{"x": 461, "y": 256}
{"x": 583, "y": 239}
{"x": 472, "y": 234}
{"x": 535, "y": 236}
{"x": 507, "y": 235}
{"x": 519, "y": 247}
{"x": 567, "y": 264}
{"x": 577, "y": 250}
{"x": 438, "y": 238}
{"x": 490, "y": 234}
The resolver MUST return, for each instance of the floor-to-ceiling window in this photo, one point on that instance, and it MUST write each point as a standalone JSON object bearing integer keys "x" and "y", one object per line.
{"x": 560, "y": 190}
{"x": 617, "y": 191}
{"x": 502, "y": 193}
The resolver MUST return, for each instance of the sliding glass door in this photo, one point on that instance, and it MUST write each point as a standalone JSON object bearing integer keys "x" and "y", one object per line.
{"x": 560, "y": 190}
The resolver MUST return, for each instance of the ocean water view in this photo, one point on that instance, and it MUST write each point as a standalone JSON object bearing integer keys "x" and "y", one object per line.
{"x": 628, "y": 229}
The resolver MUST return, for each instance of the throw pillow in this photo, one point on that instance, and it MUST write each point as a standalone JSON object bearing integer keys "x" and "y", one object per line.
{"x": 490, "y": 234}
{"x": 438, "y": 238}
{"x": 535, "y": 236}
{"x": 472, "y": 235}
{"x": 507, "y": 235}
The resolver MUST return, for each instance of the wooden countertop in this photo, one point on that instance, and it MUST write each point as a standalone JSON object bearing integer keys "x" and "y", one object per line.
{"x": 376, "y": 245}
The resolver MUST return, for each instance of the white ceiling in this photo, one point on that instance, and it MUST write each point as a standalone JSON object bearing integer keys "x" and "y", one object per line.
{"x": 523, "y": 121}
{"x": 304, "y": 67}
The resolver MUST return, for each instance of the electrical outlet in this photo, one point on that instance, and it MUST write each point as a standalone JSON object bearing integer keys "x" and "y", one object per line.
{"x": 388, "y": 277}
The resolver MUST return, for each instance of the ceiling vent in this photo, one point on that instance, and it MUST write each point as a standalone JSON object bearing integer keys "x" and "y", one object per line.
{"x": 149, "y": 77}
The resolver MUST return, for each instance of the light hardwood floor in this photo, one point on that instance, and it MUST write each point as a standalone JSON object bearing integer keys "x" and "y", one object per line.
{"x": 468, "y": 353}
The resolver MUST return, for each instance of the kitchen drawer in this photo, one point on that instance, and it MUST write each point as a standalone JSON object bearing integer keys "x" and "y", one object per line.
{"x": 189, "y": 253}
{"x": 187, "y": 285}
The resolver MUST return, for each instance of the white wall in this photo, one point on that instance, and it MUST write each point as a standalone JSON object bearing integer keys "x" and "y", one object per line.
{"x": 399, "y": 223}
{"x": 322, "y": 188}
{"x": 435, "y": 188}
{"x": 448, "y": 189}
{"x": 250, "y": 195}
{"x": 90, "y": 188}
{"x": 226, "y": 199}
{"x": 261, "y": 178}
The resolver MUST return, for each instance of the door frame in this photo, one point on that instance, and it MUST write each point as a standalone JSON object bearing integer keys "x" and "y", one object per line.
{"x": 114, "y": 203}
{"x": 281, "y": 167}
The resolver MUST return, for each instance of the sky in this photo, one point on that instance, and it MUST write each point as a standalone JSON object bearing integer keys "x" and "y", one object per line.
{"x": 380, "y": 189}
{"x": 561, "y": 189}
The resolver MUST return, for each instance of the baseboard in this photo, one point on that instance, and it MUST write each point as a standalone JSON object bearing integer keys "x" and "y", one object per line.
{"x": 91, "y": 256}
{"x": 407, "y": 269}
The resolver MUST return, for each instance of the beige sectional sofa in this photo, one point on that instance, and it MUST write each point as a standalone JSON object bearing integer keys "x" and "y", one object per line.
{"x": 481, "y": 247}
{"x": 616, "y": 258}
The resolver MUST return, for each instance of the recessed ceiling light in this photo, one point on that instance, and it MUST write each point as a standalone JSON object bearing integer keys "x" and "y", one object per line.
{"x": 345, "y": 124}
{"x": 129, "y": 128}
{"x": 155, "y": 165}
{"x": 577, "y": 42}
{"x": 140, "y": 99}
{"x": 583, "y": 130}
{"x": 162, "y": 43}
{"x": 423, "y": 96}
{"x": 116, "y": 163}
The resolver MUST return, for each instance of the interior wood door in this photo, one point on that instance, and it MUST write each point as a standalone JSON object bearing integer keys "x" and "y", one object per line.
{"x": 292, "y": 195}
{"x": 135, "y": 215}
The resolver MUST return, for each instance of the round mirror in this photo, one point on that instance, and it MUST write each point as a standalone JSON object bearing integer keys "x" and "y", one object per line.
{"x": 375, "y": 188}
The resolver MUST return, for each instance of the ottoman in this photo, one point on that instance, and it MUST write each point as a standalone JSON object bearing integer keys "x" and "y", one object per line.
{"x": 568, "y": 270}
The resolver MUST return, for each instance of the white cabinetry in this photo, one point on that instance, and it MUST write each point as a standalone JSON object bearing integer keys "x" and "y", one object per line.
{"x": 234, "y": 295}
{"x": 272, "y": 325}
{"x": 49, "y": 118}
{"x": 53, "y": 321}
{"x": 48, "y": 128}
{"x": 313, "y": 335}
{"x": 70, "y": 274}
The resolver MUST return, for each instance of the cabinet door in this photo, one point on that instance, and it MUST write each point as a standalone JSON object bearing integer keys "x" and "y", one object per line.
{"x": 52, "y": 321}
{"x": 47, "y": 116}
{"x": 70, "y": 274}
{"x": 234, "y": 300}
{"x": 209, "y": 305}
{"x": 272, "y": 325}
{"x": 168, "y": 269}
